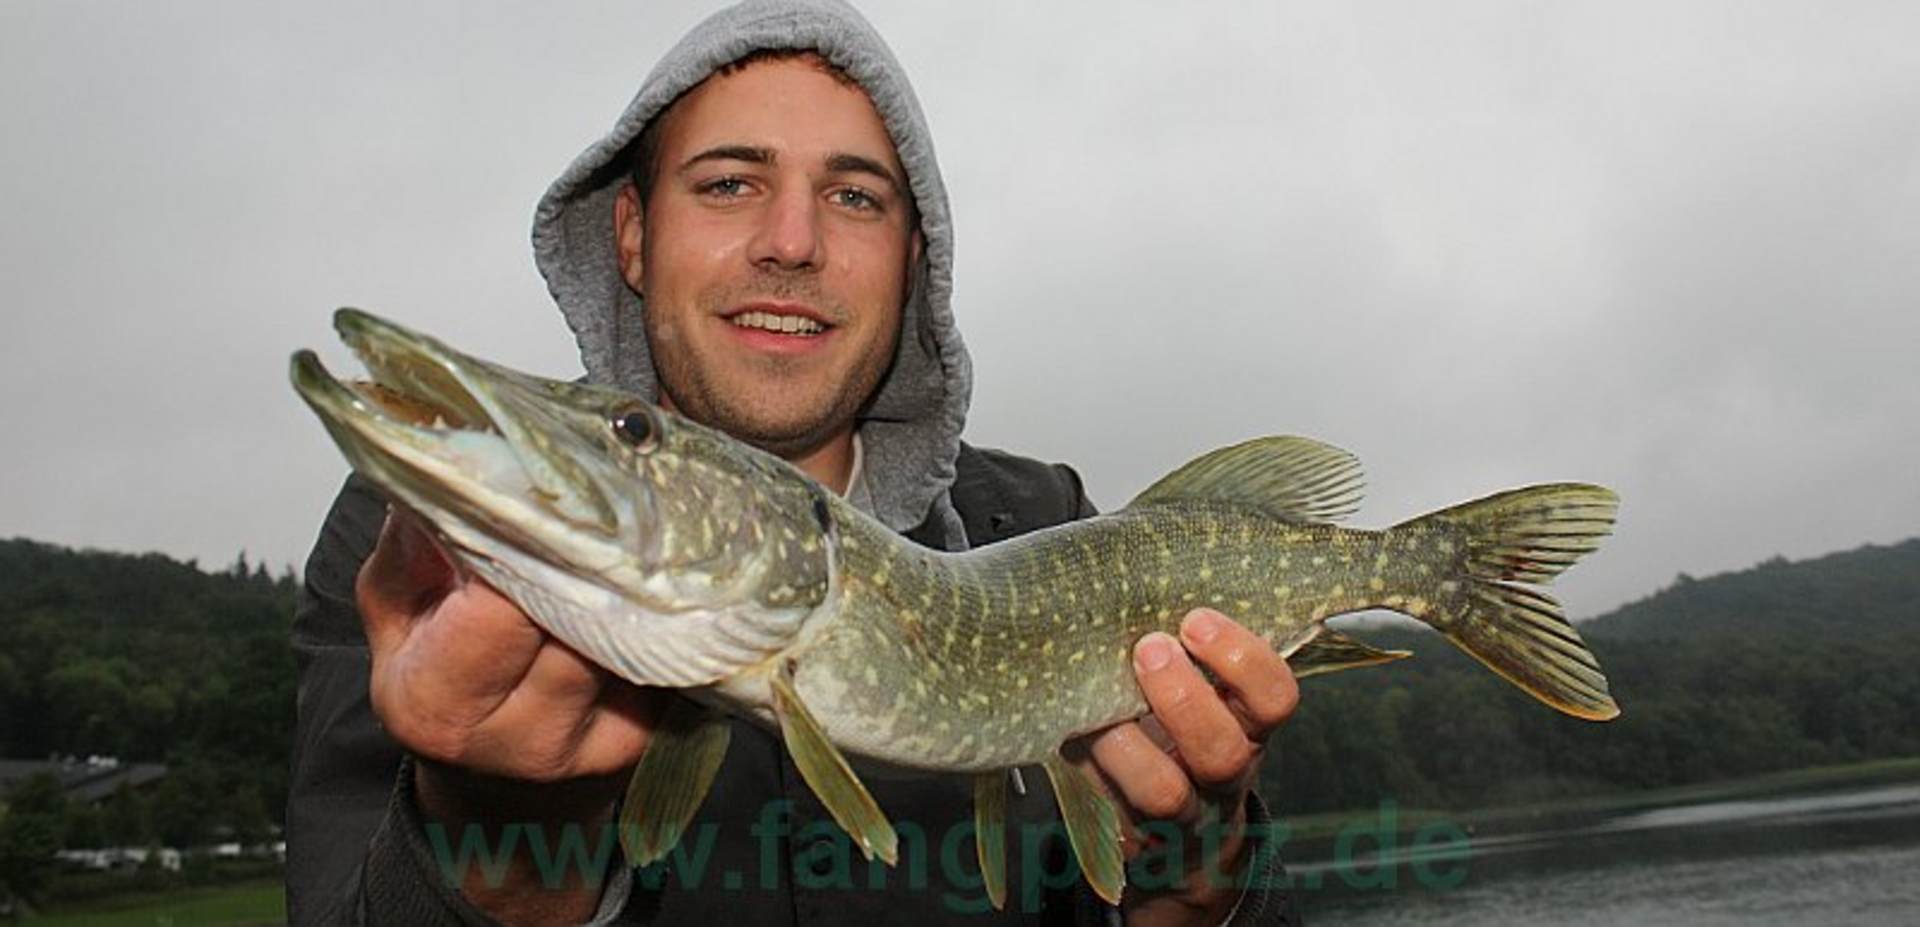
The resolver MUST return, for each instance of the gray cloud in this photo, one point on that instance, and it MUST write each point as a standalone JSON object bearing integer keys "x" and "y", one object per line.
{"x": 1663, "y": 246}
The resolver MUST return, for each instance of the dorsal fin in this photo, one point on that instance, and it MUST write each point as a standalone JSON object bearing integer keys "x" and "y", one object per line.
{"x": 1298, "y": 479}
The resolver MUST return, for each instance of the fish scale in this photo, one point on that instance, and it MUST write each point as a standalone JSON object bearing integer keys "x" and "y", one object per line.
{"x": 1024, "y": 651}
{"x": 675, "y": 556}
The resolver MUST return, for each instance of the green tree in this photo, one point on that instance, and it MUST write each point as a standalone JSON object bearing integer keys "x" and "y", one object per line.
{"x": 30, "y": 823}
{"x": 128, "y": 819}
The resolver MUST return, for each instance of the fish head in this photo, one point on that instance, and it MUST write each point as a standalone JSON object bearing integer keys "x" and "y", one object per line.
{"x": 600, "y": 514}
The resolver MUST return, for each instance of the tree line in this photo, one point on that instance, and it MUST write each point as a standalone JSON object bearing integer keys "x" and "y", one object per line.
{"x": 147, "y": 659}
{"x": 1787, "y": 664}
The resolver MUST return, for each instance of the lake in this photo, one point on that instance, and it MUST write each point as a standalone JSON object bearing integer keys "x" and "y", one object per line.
{"x": 1834, "y": 858}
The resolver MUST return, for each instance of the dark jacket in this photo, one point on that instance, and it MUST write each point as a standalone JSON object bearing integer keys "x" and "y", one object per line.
{"x": 762, "y": 849}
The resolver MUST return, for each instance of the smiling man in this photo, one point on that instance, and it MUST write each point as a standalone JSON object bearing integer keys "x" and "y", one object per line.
{"x": 773, "y": 304}
{"x": 762, "y": 243}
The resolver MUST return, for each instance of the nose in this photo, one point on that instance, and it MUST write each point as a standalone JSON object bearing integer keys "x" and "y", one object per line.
{"x": 789, "y": 234}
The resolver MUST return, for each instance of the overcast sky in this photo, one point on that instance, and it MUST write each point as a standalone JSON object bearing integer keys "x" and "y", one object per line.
{"x": 1671, "y": 247}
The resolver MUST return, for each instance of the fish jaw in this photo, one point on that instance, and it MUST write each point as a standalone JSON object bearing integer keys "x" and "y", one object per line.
{"x": 662, "y": 551}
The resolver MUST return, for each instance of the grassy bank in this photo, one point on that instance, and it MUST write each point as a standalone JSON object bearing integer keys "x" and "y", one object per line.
{"x": 238, "y": 905}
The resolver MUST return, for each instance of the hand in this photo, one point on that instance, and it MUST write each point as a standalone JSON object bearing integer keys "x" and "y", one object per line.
{"x": 1184, "y": 772}
{"x": 506, "y": 724}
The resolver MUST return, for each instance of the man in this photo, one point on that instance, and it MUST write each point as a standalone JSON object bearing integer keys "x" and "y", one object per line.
{"x": 763, "y": 244}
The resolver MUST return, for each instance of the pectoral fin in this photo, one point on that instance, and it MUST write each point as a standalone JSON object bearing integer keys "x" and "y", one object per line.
{"x": 990, "y": 833}
{"x": 671, "y": 780}
{"x": 1093, "y": 827}
{"x": 829, "y": 775}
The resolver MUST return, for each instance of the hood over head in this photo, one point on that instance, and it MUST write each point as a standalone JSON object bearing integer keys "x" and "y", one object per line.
{"x": 910, "y": 431}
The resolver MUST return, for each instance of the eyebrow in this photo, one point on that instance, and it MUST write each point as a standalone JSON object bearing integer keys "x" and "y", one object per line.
{"x": 858, "y": 164}
{"x": 746, "y": 153}
{"x": 838, "y": 163}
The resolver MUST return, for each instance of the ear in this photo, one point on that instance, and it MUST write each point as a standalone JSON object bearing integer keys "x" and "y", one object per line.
{"x": 629, "y": 231}
{"x": 916, "y": 245}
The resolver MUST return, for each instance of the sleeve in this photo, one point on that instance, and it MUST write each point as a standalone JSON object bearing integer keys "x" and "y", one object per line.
{"x": 1265, "y": 901}
{"x": 343, "y": 763}
{"x": 356, "y": 849}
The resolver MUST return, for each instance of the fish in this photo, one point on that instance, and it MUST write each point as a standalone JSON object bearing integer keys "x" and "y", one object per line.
{"x": 676, "y": 556}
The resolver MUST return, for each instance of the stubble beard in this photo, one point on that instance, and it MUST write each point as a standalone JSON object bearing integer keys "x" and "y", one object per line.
{"x": 773, "y": 420}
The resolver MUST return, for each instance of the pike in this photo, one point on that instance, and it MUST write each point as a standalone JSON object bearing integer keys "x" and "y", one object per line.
{"x": 676, "y": 556}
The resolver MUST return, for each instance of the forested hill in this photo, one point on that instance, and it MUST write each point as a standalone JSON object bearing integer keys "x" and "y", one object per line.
{"x": 1868, "y": 590}
{"x": 1777, "y": 667}
{"x": 149, "y": 659}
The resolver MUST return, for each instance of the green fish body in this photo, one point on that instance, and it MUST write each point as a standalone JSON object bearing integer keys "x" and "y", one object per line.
{"x": 992, "y": 658}
{"x": 676, "y": 556}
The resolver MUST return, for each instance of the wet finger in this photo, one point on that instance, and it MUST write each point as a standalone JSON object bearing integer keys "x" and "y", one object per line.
{"x": 1208, "y": 736}
{"x": 1259, "y": 683}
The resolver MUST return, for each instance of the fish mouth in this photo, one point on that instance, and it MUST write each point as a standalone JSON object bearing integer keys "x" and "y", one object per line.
{"x": 445, "y": 431}
{"x": 415, "y": 390}
{"x": 408, "y": 386}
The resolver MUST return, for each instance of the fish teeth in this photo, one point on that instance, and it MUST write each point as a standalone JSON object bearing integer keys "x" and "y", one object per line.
{"x": 783, "y": 324}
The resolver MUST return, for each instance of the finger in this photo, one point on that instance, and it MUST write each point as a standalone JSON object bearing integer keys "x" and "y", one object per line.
{"x": 473, "y": 644}
{"x": 1153, "y": 785}
{"x": 1258, "y": 679}
{"x": 551, "y": 705}
{"x": 1157, "y": 733}
{"x": 400, "y": 578}
{"x": 622, "y": 723}
{"x": 1208, "y": 736}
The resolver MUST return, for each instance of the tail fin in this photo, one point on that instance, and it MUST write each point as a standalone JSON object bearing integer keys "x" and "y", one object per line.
{"x": 1527, "y": 536}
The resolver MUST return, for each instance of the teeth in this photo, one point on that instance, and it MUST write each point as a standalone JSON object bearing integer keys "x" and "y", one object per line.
{"x": 784, "y": 324}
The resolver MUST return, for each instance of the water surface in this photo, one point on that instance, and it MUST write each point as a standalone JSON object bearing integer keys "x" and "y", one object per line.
{"x": 1850, "y": 857}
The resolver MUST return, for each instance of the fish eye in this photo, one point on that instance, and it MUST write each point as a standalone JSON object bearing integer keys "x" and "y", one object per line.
{"x": 635, "y": 426}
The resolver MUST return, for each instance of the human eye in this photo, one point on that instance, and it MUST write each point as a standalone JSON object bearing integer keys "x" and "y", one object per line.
{"x": 857, "y": 199}
{"x": 722, "y": 188}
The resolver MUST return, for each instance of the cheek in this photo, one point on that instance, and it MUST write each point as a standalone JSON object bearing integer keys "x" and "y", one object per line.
{"x": 880, "y": 270}
{"x": 688, "y": 263}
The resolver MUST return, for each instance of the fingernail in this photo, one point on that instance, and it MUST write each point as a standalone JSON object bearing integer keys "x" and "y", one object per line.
{"x": 1154, "y": 652}
{"x": 1201, "y": 627}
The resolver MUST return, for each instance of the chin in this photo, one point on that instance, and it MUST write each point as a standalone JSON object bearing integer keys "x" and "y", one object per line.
{"x": 784, "y": 432}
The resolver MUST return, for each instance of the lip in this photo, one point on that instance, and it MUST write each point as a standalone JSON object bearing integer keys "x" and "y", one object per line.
{"x": 777, "y": 307}
{"x": 778, "y": 343}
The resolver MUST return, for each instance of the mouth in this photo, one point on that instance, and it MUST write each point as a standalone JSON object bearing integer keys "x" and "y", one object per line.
{"x": 778, "y": 318}
{"x": 411, "y": 381}
{"x": 448, "y": 427}
{"x": 412, "y": 408}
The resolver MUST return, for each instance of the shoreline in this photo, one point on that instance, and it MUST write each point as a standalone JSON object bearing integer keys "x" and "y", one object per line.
{"x": 1311, "y": 838}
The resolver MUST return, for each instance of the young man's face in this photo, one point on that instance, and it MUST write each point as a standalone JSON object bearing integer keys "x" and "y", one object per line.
{"x": 774, "y": 254}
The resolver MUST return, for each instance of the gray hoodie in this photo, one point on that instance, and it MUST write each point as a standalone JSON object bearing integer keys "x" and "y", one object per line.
{"x": 343, "y": 785}
{"x": 910, "y": 432}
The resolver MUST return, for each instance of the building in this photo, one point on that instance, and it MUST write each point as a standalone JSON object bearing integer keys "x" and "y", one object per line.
{"x": 85, "y": 781}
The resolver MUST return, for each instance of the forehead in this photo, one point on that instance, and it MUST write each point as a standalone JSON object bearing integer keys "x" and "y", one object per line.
{"x": 790, "y": 106}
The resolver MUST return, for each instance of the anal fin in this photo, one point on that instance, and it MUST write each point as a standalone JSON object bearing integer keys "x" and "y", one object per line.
{"x": 829, "y": 775}
{"x": 1331, "y": 651}
{"x": 1093, "y": 828}
{"x": 990, "y": 833}
{"x": 671, "y": 780}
